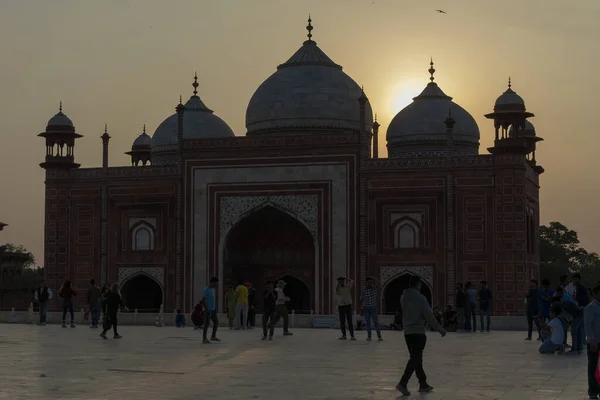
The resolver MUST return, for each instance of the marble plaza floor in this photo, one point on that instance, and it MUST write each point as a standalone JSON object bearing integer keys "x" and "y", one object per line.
{"x": 170, "y": 363}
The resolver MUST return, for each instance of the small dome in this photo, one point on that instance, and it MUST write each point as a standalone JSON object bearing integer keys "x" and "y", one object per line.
{"x": 199, "y": 122}
{"x": 509, "y": 101}
{"x": 143, "y": 140}
{"x": 421, "y": 126}
{"x": 60, "y": 119}
{"x": 308, "y": 92}
{"x": 528, "y": 130}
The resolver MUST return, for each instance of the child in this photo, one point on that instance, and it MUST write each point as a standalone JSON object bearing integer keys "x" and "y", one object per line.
{"x": 197, "y": 316}
{"x": 450, "y": 320}
{"x": 553, "y": 333}
{"x": 180, "y": 320}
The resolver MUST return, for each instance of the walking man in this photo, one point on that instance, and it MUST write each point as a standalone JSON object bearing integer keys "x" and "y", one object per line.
{"x": 210, "y": 311}
{"x": 344, "y": 299}
{"x": 269, "y": 315}
{"x": 485, "y": 305}
{"x": 281, "y": 308}
{"x": 591, "y": 319}
{"x": 368, "y": 299}
{"x": 532, "y": 307}
{"x": 113, "y": 303}
{"x": 461, "y": 307}
{"x": 94, "y": 302}
{"x": 416, "y": 312}
{"x": 241, "y": 309}
{"x": 42, "y": 295}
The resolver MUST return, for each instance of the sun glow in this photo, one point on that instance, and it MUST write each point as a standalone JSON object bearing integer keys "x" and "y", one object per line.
{"x": 403, "y": 93}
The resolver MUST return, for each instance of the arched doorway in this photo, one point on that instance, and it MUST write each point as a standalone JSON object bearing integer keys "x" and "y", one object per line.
{"x": 268, "y": 244}
{"x": 394, "y": 289}
{"x": 298, "y": 293}
{"x": 142, "y": 293}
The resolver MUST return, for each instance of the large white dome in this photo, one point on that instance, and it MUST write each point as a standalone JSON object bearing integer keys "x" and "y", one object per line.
{"x": 420, "y": 128}
{"x": 307, "y": 93}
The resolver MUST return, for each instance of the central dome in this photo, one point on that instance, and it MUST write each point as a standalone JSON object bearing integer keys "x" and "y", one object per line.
{"x": 307, "y": 93}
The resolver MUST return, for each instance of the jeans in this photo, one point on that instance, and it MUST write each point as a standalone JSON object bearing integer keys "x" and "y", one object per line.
{"x": 43, "y": 311}
{"x": 576, "y": 329}
{"x": 593, "y": 386}
{"x": 95, "y": 311}
{"x": 530, "y": 319}
{"x": 68, "y": 306}
{"x": 268, "y": 318}
{"x": 487, "y": 312}
{"x": 470, "y": 314}
{"x": 416, "y": 344}
{"x": 210, "y": 315}
{"x": 241, "y": 316}
{"x": 371, "y": 314}
{"x": 110, "y": 319}
{"x": 346, "y": 316}
{"x": 548, "y": 346}
{"x": 282, "y": 312}
{"x": 460, "y": 316}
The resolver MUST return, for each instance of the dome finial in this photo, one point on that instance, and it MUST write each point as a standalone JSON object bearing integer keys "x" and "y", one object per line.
{"x": 180, "y": 99}
{"x": 509, "y": 83}
{"x": 144, "y": 129}
{"x": 106, "y": 129}
{"x": 309, "y": 28}
{"x": 60, "y": 107}
{"x": 431, "y": 70}
{"x": 195, "y": 84}
{"x": 375, "y": 117}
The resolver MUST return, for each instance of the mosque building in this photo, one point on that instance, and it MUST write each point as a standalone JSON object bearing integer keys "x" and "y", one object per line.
{"x": 303, "y": 196}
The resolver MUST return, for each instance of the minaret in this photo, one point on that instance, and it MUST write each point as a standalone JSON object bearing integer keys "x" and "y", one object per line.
{"x": 376, "y": 138}
{"x": 105, "y": 138}
{"x": 60, "y": 138}
{"x": 364, "y": 139}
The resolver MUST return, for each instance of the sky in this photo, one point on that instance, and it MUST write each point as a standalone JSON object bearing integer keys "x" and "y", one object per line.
{"x": 125, "y": 63}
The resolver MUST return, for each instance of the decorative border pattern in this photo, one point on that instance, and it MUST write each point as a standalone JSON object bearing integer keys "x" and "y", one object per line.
{"x": 416, "y": 216}
{"x": 158, "y": 273}
{"x": 386, "y": 274}
{"x": 303, "y": 207}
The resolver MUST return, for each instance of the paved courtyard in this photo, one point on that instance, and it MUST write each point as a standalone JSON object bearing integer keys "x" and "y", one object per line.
{"x": 170, "y": 363}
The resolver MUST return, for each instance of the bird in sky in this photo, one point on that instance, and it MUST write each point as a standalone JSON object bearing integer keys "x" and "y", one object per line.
{"x": 441, "y": 11}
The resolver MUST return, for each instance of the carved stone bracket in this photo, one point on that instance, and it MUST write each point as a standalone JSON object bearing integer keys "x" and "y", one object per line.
{"x": 386, "y": 274}
{"x": 157, "y": 273}
{"x": 302, "y": 207}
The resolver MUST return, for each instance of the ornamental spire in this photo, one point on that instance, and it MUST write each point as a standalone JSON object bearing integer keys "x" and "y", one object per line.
{"x": 431, "y": 70}
{"x": 309, "y": 28}
{"x": 60, "y": 107}
{"x": 509, "y": 83}
{"x": 195, "y": 84}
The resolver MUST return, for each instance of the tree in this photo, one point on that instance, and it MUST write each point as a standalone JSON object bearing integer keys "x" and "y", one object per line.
{"x": 13, "y": 248}
{"x": 561, "y": 254}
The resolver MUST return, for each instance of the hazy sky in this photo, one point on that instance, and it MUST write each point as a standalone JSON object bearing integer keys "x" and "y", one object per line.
{"x": 125, "y": 63}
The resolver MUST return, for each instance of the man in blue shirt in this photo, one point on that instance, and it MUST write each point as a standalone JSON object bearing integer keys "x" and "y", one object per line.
{"x": 545, "y": 295}
{"x": 471, "y": 296}
{"x": 210, "y": 310}
{"x": 575, "y": 314}
{"x": 592, "y": 329}
{"x": 583, "y": 299}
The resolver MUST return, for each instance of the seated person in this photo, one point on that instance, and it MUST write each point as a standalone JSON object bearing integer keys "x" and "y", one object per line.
{"x": 180, "y": 320}
{"x": 197, "y": 316}
{"x": 360, "y": 322}
{"x": 553, "y": 333}
{"x": 450, "y": 320}
{"x": 397, "y": 324}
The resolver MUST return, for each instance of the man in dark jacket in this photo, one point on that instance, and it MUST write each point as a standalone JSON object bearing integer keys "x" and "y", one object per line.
{"x": 113, "y": 304}
{"x": 42, "y": 295}
{"x": 94, "y": 302}
{"x": 533, "y": 309}
{"x": 461, "y": 307}
{"x": 485, "y": 305}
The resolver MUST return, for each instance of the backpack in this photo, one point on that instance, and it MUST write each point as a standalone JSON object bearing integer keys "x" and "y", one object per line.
{"x": 43, "y": 294}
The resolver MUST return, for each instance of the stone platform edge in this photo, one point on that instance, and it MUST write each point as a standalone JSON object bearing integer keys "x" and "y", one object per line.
{"x": 500, "y": 323}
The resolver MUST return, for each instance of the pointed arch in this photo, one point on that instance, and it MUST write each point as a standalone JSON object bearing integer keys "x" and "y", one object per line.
{"x": 406, "y": 233}
{"x": 143, "y": 237}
